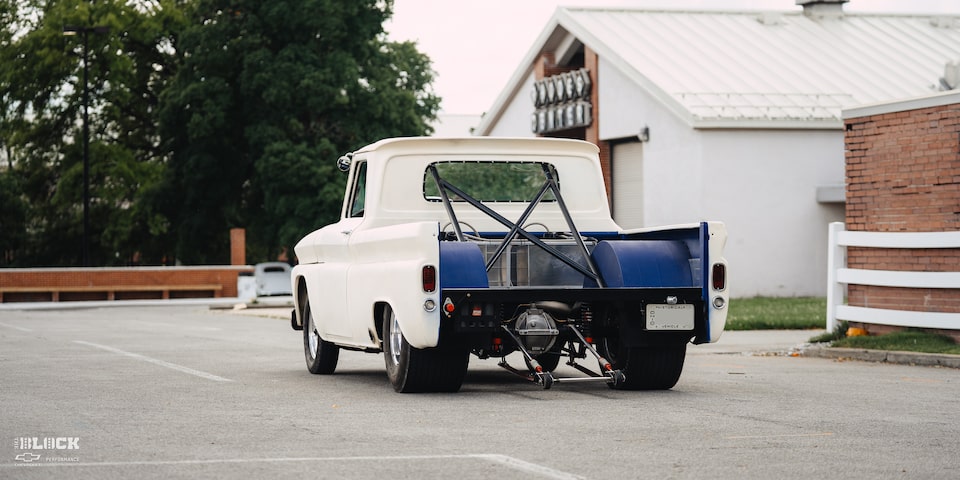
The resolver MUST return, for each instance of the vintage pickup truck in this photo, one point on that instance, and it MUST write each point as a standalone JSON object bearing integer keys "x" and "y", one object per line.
{"x": 502, "y": 247}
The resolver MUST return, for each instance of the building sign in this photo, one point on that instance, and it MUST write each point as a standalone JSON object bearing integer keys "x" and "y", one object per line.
{"x": 562, "y": 101}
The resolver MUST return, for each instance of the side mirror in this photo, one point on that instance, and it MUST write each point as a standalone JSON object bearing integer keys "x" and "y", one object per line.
{"x": 343, "y": 163}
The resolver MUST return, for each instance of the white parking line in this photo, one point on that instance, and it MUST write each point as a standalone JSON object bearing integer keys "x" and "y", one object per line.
{"x": 162, "y": 363}
{"x": 528, "y": 467}
{"x": 505, "y": 460}
{"x": 15, "y": 327}
{"x": 784, "y": 435}
{"x": 177, "y": 327}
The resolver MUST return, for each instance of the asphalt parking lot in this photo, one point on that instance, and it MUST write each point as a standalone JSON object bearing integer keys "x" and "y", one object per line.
{"x": 188, "y": 392}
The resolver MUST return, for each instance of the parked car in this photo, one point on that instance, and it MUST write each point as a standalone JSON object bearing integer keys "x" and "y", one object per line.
{"x": 273, "y": 278}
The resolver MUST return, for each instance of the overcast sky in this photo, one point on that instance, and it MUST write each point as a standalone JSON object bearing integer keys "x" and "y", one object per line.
{"x": 476, "y": 45}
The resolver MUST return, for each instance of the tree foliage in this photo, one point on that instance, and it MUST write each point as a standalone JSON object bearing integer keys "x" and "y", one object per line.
{"x": 204, "y": 115}
{"x": 268, "y": 96}
{"x": 493, "y": 181}
{"x": 41, "y": 103}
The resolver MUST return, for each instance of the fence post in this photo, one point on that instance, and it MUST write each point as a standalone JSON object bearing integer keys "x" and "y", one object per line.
{"x": 836, "y": 258}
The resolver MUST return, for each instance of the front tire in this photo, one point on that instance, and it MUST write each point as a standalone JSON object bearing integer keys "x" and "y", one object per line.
{"x": 321, "y": 355}
{"x": 646, "y": 368}
{"x": 420, "y": 370}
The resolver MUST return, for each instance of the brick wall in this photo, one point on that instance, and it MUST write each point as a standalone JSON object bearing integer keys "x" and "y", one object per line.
{"x": 80, "y": 284}
{"x": 903, "y": 171}
{"x": 545, "y": 67}
{"x": 903, "y": 175}
{"x": 592, "y": 62}
{"x": 238, "y": 246}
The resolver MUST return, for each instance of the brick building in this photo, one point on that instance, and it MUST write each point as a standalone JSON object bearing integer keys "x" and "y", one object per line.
{"x": 903, "y": 175}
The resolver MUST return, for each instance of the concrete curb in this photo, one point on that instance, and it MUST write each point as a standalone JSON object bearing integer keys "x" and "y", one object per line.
{"x": 221, "y": 303}
{"x": 27, "y": 306}
{"x": 280, "y": 312}
{"x": 885, "y": 356}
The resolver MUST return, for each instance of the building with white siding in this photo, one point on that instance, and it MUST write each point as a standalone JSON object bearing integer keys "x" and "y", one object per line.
{"x": 726, "y": 115}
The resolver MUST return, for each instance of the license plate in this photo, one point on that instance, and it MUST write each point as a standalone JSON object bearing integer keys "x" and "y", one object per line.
{"x": 669, "y": 317}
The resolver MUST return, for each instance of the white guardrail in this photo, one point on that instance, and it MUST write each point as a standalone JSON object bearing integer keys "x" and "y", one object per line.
{"x": 838, "y": 276}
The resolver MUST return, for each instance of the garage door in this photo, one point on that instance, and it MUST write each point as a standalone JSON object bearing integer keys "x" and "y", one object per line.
{"x": 628, "y": 184}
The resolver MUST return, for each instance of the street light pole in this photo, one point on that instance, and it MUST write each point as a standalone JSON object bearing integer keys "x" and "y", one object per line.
{"x": 84, "y": 31}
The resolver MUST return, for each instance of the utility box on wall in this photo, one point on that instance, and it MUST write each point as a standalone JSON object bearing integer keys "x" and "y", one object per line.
{"x": 246, "y": 286}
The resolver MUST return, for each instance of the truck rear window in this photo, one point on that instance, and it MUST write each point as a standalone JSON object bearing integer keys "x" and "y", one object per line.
{"x": 490, "y": 181}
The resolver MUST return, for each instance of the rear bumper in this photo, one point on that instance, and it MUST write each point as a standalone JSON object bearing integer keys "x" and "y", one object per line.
{"x": 482, "y": 310}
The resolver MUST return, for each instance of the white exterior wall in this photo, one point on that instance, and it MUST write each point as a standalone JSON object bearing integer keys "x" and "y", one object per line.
{"x": 766, "y": 194}
{"x": 761, "y": 183}
{"x": 671, "y": 159}
{"x": 515, "y": 120}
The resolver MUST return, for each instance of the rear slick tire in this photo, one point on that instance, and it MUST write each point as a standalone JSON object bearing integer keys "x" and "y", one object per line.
{"x": 414, "y": 370}
{"x": 646, "y": 368}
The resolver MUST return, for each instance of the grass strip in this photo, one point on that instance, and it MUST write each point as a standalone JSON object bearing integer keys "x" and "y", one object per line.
{"x": 801, "y": 313}
{"x": 770, "y": 313}
{"x": 907, "y": 340}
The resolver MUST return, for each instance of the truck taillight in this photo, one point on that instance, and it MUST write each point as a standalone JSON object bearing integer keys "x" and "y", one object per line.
{"x": 719, "y": 276}
{"x": 429, "y": 278}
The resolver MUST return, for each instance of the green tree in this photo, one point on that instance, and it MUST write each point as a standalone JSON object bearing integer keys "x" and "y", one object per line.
{"x": 268, "y": 95}
{"x": 40, "y": 127}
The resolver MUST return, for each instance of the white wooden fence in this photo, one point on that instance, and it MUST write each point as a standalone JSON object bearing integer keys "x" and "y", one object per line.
{"x": 838, "y": 275}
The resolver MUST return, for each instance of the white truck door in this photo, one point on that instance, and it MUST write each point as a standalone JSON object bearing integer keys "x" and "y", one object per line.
{"x": 334, "y": 243}
{"x": 328, "y": 301}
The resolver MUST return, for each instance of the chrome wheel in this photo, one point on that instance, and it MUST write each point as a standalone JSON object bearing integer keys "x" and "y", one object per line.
{"x": 313, "y": 339}
{"x": 396, "y": 339}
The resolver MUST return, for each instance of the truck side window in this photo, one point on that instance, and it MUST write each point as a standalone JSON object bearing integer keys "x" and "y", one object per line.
{"x": 358, "y": 194}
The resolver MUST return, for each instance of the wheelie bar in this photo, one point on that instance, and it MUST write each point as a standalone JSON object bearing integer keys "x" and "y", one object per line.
{"x": 537, "y": 373}
{"x": 615, "y": 377}
{"x": 545, "y": 379}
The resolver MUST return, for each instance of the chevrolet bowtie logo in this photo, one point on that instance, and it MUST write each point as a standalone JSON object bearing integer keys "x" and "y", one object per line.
{"x": 27, "y": 457}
